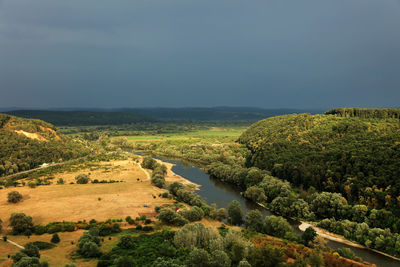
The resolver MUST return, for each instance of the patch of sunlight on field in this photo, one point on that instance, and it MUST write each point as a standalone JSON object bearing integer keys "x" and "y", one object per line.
{"x": 231, "y": 133}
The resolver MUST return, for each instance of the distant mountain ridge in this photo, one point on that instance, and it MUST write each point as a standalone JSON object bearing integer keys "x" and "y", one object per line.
{"x": 116, "y": 116}
{"x": 75, "y": 118}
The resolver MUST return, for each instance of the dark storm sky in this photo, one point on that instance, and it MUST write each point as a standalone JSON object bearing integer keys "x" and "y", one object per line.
{"x": 174, "y": 53}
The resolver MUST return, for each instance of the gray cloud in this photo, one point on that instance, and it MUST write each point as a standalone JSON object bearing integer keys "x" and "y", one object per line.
{"x": 276, "y": 53}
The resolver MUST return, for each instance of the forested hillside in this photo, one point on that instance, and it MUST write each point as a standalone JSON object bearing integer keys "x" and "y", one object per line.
{"x": 358, "y": 157}
{"x": 84, "y": 118}
{"x": 26, "y": 143}
{"x": 382, "y": 113}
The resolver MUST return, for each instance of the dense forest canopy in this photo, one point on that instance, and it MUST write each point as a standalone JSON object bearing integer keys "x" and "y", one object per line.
{"x": 358, "y": 157}
{"x": 27, "y": 143}
{"x": 382, "y": 113}
{"x": 84, "y": 118}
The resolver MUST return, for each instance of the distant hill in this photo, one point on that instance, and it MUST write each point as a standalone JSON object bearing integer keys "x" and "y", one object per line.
{"x": 99, "y": 116}
{"x": 359, "y": 157}
{"x": 214, "y": 113}
{"x": 27, "y": 143}
{"x": 84, "y": 118}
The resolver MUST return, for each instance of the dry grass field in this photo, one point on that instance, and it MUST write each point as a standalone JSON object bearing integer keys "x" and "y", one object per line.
{"x": 78, "y": 202}
{"x": 75, "y": 202}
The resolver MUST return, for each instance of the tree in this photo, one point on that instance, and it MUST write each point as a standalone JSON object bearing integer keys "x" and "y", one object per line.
{"x": 276, "y": 226}
{"x": 31, "y": 250}
{"x": 27, "y": 262}
{"x": 309, "y": 235}
{"x": 14, "y": 197}
{"x": 198, "y": 258}
{"x": 254, "y": 220}
{"x": 21, "y": 223}
{"x": 82, "y": 178}
{"x": 221, "y": 214}
{"x": 195, "y": 235}
{"x": 124, "y": 261}
{"x": 90, "y": 250}
{"x": 55, "y": 239}
{"x": 235, "y": 213}
{"x": 126, "y": 242}
{"x": 316, "y": 260}
{"x": 220, "y": 259}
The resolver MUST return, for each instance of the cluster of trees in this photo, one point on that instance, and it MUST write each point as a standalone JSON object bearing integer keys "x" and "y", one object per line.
{"x": 281, "y": 198}
{"x": 29, "y": 256}
{"x": 383, "y": 113}
{"x": 192, "y": 245}
{"x": 376, "y": 238}
{"x": 20, "y": 153}
{"x": 181, "y": 194}
{"x": 357, "y": 157}
{"x": 159, "y": 171}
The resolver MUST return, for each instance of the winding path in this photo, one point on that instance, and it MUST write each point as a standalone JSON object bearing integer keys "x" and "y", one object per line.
{"x": 146, "y": 172}
{"x": 15, "y": 244}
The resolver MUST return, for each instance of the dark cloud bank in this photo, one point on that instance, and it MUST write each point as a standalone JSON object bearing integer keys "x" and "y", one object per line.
{"x": 174, "y": 53}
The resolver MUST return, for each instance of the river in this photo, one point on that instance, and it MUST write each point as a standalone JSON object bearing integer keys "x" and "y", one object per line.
{"x": 215, "y": 191}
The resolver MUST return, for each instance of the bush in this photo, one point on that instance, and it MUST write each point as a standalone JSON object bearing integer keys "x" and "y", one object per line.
{"x": 346, "y": 252}
{"x": 55, "y": 239}
{"x": 82, "y": 179}
{"x": 42, "y": 245}
{"x": 14, "y": 197}
{"x": 147, "y": 228}
{"x": 39, "y": 229}
{"x": 130, "y": 220}
{"x": 32, "y": 184}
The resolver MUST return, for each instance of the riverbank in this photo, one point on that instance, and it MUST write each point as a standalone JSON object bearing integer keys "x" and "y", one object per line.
{"x": 341, "y": 239}
{"x": 172, "y": 177}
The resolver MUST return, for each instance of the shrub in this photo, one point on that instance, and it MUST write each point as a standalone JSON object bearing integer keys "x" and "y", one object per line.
{"x": 39, "y": 229}
{"x": 147, "y": 228}
{"x": 42, "y": 245}
{"x": 82, "y": 179}
{"x": 129, "y": 220}
{"x": 55, "y": 239}
{"x": 346, "y": 252}
{"x": 14, "y": 197}
{"x": 32, "y": 184}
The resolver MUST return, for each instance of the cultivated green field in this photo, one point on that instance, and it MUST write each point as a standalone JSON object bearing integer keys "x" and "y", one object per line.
{"x": 214, "y": 133}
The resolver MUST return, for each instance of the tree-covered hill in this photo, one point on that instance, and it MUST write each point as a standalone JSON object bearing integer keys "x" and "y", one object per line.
{"x": 76, "y": 118}
{"x": 27, "y": 143}
{"x": 358, "y": 157}
{"x": 382, "y": 113}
